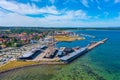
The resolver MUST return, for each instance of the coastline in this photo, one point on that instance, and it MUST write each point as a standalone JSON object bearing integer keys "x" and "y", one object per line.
{"x": 32, "y": 65}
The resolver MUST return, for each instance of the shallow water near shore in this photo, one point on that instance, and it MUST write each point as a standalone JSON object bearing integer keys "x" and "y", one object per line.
{"x": 101, "y": 63}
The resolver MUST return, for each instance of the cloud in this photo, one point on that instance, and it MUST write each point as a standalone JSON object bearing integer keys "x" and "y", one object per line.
{"x": 2, "y": 13}
{"x": 19, "y": 20}
{"x": 97, "y": 1}
{"x": 21, "y": 8}
{"x": 85, "y": 3}
{"x": 106, "y": 0}
{"x": 66, "y": 20}
{"x": 79, "y": 14}
{"x": 106, "y": 13}
{"x": 118, "y": 17}
{"x": 99, "y": 7}
{"x": 69, "y": 16}
{"x": 52, "y": 1}
{"x": 49, "y": 9}
{"x": 117, "y": 1}
{"x": 35, "y": 0}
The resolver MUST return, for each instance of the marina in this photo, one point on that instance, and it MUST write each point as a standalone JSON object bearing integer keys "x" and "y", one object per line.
{"x": 63, "y": 54}
{"x": 45, "y": 51}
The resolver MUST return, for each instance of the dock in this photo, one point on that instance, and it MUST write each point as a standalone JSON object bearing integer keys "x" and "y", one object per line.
{"x": 41, "y": 58}
{"x": 96, "y": 44}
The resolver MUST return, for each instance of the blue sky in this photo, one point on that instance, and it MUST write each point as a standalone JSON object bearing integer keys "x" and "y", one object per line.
{"x": 60, "y": 13}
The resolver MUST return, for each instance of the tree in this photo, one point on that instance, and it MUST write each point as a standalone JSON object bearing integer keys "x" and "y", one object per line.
{"x": 9, "y": 44}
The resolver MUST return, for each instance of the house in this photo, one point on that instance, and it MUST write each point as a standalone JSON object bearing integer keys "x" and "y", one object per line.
{"x": 3, "y": 46}
{"x": 1, "y": 40}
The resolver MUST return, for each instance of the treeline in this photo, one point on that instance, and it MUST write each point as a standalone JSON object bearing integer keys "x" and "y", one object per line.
{"x": 32, "y": 29}
{"x": 28, "y": 31}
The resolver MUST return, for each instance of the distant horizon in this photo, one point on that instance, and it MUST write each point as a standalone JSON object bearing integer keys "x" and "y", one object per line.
{"x": 53, "y": 27}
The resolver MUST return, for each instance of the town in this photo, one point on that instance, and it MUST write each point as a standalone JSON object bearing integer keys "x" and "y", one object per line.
{"x": 13, "y": 42}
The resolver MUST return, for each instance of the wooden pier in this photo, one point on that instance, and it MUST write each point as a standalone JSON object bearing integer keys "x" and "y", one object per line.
{"x": 96, "y": 44}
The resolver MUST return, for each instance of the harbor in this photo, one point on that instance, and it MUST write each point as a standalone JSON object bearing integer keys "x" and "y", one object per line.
{"x": 40, "y": 60}
{"x": 45, "y": 51}
{"x": 51, "y": 55}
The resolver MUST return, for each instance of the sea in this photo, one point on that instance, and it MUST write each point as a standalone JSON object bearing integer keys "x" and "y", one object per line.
{"x": 101, "y": 63}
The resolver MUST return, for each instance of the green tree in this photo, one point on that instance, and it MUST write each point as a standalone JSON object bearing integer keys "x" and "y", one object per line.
{"x": 9, "y": 44}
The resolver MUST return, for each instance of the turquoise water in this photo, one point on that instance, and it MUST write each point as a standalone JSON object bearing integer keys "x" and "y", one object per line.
{"x": 102, "y": 63}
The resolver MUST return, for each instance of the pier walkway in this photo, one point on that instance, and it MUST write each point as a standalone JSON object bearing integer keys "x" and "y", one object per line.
{"x": 96, "y": 44}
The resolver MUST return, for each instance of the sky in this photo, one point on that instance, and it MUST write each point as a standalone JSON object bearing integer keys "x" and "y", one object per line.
{"x": 60, "y": 13}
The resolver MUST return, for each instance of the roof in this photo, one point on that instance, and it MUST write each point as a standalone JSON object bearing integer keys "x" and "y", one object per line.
{"x": 60, "y": 52}
{"x": 27, "y": 54}
{"x": 76, "y": 52}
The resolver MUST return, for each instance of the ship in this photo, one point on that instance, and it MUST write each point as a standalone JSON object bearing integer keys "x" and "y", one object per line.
{"x": 73, "y": 55}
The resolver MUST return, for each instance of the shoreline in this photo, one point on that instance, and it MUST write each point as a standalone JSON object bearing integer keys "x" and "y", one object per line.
{"x": 32, "y": 65}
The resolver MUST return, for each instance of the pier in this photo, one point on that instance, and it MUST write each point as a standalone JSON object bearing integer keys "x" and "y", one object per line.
{"x": 96, "y": 44}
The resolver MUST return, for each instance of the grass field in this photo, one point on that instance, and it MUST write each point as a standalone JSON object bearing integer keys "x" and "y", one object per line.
{"x": 67, "y": 38}
{"x": 15, "y": 64}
